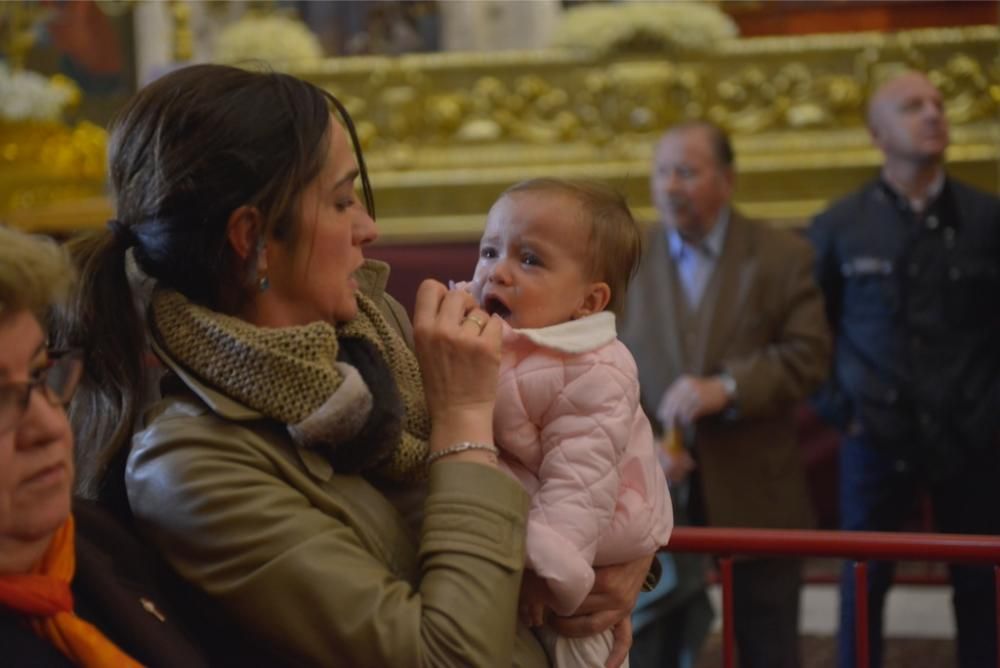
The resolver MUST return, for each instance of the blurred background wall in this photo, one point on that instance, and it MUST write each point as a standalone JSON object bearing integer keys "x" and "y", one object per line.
{"x": 457, "y": 100}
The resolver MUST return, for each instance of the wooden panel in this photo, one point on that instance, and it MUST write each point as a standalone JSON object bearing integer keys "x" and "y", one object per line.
{"x": 773, "y": 17}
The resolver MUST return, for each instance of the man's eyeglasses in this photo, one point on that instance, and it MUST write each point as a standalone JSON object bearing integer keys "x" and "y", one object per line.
{"x": 57, "y": 381}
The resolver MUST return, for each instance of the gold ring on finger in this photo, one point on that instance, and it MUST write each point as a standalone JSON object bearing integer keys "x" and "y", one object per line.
{"x": 476, "y": 319}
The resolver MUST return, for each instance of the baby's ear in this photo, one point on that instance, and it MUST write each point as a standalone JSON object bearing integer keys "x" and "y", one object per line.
{"x": 594, "y": 301}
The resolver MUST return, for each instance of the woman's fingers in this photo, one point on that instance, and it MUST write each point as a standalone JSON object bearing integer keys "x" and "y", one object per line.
{"x": 581, "y": 626}
{"x": 428, "y": 302}
{"x": 438, "y": 310}
{"x": 437, "y": 306}
{"x": 623, "y": 643}
{"x": 493, "y": 332}
{"x": 458, "y": 347}
{"x": 476, "y": 318}
{"x": 610, "y": 601}
{"x": 455, "y": 305}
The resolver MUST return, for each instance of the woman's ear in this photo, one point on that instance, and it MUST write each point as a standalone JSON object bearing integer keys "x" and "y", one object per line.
{"x": 596, "y": 300}
{"x": 244, "y": 231}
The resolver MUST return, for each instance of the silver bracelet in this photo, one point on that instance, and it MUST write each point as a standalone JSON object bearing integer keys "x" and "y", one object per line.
{"x": 464, "y": 446}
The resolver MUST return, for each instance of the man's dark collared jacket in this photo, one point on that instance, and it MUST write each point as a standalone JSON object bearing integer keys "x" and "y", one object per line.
{"x": 914, "y": 302}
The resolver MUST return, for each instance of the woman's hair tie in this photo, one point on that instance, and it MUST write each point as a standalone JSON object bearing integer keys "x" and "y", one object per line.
{"x": 124, "y": 235}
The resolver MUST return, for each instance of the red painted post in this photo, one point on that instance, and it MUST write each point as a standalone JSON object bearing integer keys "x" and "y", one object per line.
{"x": 996, "y": 586}
{"x": 852, "y": 545}
{"x": 728, "y": 633}
{"x": 950, "y": 548}
{"x": 861, "y": 650}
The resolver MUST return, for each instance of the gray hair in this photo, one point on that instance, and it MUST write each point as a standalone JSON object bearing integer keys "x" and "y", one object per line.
{"x": 35, "y": 273}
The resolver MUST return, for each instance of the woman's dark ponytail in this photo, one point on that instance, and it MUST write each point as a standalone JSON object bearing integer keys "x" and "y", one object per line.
{"x": 103, "y": 319}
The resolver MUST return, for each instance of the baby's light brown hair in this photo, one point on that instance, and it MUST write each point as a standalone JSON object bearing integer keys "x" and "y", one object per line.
{"x": 614, "y": 245}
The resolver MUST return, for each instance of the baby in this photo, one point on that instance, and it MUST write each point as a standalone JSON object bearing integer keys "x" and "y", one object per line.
{"x": 554, "y": 262}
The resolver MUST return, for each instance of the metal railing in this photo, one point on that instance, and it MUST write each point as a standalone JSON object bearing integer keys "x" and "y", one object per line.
{"x": 858, "y": 546}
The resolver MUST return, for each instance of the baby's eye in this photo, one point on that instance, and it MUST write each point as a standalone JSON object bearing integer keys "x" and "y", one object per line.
{"x": 487, "y": 252}
{"x": 530, "y": 259}
{"x": 344, "y": 204}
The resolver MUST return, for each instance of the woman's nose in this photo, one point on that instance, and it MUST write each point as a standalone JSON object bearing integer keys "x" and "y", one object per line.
{"x": 365, "y": 230}
{"x": 42, "y": 422}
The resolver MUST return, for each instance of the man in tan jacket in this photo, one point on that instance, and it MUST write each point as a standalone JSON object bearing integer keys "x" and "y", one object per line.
{"x": 727, "y": 325}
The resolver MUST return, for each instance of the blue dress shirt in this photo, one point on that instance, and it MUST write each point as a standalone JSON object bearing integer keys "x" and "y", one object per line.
{"x": 696, "y": 262}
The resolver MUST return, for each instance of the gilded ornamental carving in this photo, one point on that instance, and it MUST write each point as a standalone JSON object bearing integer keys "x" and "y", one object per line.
{"x": 444, "y": 133}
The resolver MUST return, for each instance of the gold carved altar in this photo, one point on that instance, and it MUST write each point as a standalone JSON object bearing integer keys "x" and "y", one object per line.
{"x": 445, "y": 133}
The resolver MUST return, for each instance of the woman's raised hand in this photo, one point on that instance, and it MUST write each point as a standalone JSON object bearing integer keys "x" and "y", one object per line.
{"x": 458, "y": 348}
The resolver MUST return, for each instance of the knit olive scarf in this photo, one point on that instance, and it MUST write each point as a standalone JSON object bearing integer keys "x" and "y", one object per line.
{"x": 351, "y": 392}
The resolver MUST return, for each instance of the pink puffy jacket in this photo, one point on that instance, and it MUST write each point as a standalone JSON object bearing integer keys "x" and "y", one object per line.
{"x": 570, "y": 429}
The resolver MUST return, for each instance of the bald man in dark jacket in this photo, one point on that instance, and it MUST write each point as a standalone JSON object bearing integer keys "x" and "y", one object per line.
{"x": 910, "y": 267}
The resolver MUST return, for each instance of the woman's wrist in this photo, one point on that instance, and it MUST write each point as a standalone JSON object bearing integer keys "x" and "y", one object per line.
{"x": 471, "y": 456}
{"x": 463, "y": 447}
{"x": 467, "y": 423}
{"x": 456, "y": 431}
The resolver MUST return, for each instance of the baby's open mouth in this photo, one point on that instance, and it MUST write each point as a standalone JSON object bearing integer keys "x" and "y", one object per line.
{"x": 492, "y": 304}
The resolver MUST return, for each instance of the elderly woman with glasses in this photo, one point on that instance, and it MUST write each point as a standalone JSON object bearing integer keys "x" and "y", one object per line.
{"x": 75, "y": 589}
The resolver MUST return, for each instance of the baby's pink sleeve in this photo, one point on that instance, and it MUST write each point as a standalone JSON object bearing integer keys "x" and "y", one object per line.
{"x": 585, "y": 431}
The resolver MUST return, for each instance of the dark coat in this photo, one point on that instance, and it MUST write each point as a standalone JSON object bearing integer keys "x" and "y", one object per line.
{"x": 914, "y": 301}
{"x": 119, "y": 588}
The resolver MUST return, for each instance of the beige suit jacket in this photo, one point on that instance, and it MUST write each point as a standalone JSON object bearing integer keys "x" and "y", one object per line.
{"x": 761, "y": 319}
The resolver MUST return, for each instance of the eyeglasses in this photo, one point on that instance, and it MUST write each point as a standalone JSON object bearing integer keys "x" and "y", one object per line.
{"x": 57, "y": 381}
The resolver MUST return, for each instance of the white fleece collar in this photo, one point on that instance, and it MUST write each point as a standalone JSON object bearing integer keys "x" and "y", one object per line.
{"x": 576, "y": 336}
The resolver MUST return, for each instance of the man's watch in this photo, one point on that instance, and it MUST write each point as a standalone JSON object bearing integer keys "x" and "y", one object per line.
{"x": 653, "y": 575}
{"x": 729, "y": 385}
{"x": 732, "y": 410}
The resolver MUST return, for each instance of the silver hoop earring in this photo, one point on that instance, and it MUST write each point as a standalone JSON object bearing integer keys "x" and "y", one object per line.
{"x": 263, "y": 284}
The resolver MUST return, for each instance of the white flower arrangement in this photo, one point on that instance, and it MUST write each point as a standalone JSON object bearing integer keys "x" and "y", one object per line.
{"x": 689, "y": 25}
{"x": 267, "y": 38}
{"x": 29, "y": 96}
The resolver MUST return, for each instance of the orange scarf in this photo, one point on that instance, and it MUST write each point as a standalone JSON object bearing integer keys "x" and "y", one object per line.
{"x": 45, "y": 596}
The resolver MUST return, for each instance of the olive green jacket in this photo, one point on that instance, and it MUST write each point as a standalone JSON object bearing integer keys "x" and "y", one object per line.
{"x": 322, "y": 566}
